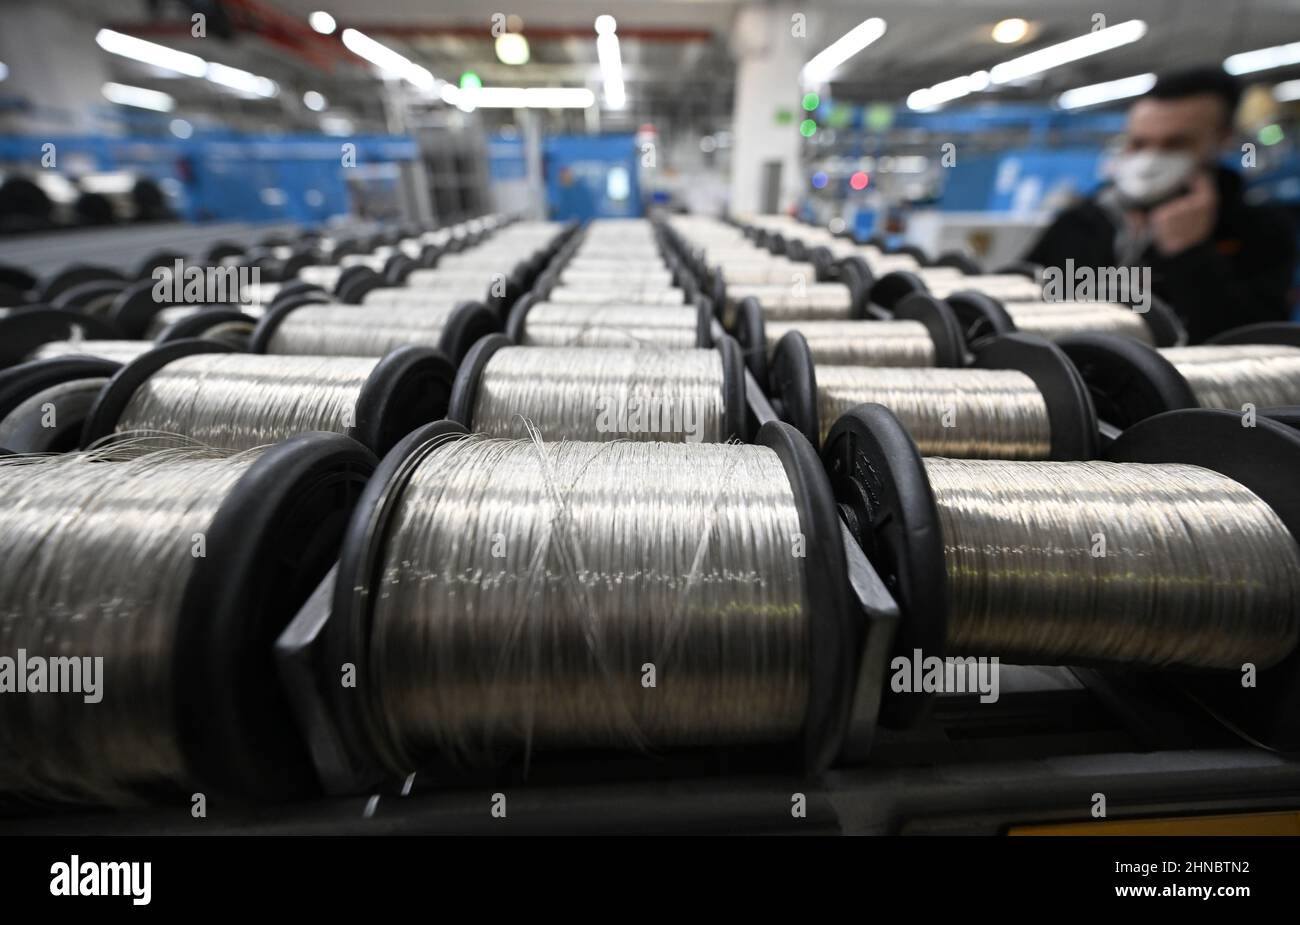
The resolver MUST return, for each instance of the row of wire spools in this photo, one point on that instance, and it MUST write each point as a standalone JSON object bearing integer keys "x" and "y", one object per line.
{"x": 627, "y": 552}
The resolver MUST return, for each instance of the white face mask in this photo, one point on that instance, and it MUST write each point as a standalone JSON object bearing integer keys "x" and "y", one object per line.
{"x": 1147, "y": 178}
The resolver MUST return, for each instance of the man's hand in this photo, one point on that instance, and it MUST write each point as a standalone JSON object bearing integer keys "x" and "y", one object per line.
{"x": 1186, "y": 221}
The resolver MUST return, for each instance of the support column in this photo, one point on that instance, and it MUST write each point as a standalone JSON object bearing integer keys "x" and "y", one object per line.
{"x": 765, "y": 173}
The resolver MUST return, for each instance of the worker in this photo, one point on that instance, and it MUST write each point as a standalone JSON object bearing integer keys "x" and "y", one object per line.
{"x": 1172, "y": 206}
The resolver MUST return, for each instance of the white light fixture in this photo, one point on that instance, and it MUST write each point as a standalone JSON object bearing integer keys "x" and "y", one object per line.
{"x": 128, "y": 46}
{"x": 241, "y": 81}
{"x": 314, "y": 101}
{"x": 4, "y": 70}
{"x": 611, "y": 63}
{"x": 336, "y": 125}
{"x": 470, "y": 98}
{"x": 139, "y": 97}
{"x": 389, "y": 61}
{"x": 948, "y": 90}
{"x": 824, "y": 63}
{"x": 1083, "y": 46}
{"x": 322, "y": 22}
{"x": 181, "y": 129}
{"x": 512, "y": 48}
{"x": 1010, "y": 31}
{"x": 1263, "y": 59}
{"x": 1287, "y": 91}
{"x": 1111, "y": 90}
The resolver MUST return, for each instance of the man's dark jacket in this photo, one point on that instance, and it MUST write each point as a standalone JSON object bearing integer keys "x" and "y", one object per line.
{"x": 1239, "y": 276}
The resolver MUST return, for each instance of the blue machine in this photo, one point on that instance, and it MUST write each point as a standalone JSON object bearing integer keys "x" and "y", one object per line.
{"x": 592, "y": 176}
{"x": 234, "y": 177}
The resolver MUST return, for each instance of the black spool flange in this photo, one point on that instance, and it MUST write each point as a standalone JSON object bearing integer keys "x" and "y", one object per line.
{"x": 297, "y": 287}
{"x": 893, "y": 287}
{"x": 911, "y": 250}
{"x": 980, "y": 315}
{"x": 835, "y": 636}
{"x": 1264, "y": 458}
{"x": 159, "y": 260}
{"x": 272, "y": 540}
{"x": 1070, "y": 413}
{"x": 1166, "y": 330}
{"x": 751, "y": 334}
{"x": 223, "y": 250}
{"x": 113, "y": 399}
{"x": 959, "y": 261}
{"x": 76, "y": 275}
{"x": 825, "y": 264}
{"x": 884, "y": 495}
{"x": 354, "y": 282}
{"x": 134, "y": 307}
{"x": 1285, "y": 333}
{"x": 93, "y": 298}
{"x": 26, "y": 380}
{"x": 792, "y": 385}
{"x": 409, "y": 387}
{"x": 17, "y": 278}
{"x": 1128, "y": 380}
{"x": 517, "y": 321}
{"x": 856, "y": 274}
{"x": 23, "y": 330}
{"x": 941, "y": 324}
{"x": 275, "y": 315}
{"x": 397, "y": 268}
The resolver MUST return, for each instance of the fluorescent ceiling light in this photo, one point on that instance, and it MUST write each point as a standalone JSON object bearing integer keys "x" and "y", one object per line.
{"x": 1010, "y": 31}
{"x": 512, "y": 48}
{"x": 1263, "y": 59}
{"x": 128, "y": 46}
{"x": 4, "y": 70}
{"x": 314, "y": 101}
{"x": 241, "y": 81}
{"x": 470, "y": 98}
{"x": 140, "y": 97}
{"x": 611, "y": 70}
{"x": 824, "y": 63}
{"x": 948, "y": 90}
{"x": 1093, "y": 94}
{"x": 1287, "y": 91}
{"x": 322, "y": 22}
{"x": 389, "y": 61}
{"x": 605, "y": 24}
{"x": 1083, "y": 46}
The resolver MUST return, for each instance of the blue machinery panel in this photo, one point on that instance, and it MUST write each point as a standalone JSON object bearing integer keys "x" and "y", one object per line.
{"x": 592, "y": 176}
{"x": 233, "y": 177}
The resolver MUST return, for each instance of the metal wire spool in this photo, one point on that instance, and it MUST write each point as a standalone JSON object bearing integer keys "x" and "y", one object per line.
{"x": 1059, "y": 319}
{"x": 98, "y": 552}
{"x": 340, "y": 330}
{"x": 783, "y": 302}
{"x": 1264, "y": 375}
{"x": 123, "y": 351}
{"x": 190, "y": 392}
{"x": 669, "y": 327}
{"x": 617, "y": 557}
{"x": 969, "y": 413}
{"x": 597, "y": 394}
{"x": 617, "y": 295}
{"x": 860, "y": 343}
{"x": 1171, "y": 554}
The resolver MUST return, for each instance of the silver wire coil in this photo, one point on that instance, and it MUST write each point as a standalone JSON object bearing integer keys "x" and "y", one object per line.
{"x": 668, "y": 327}
{"x": 95, "y": 553}
{"x": 577, "y": 393}
{"x": 1195, "y": 570}
{"x": 120, "y": 351}
{"x": 526, "y": 588}
{"x": 859, "y": 343}
{"x": 237, "y": 401}
{"x": 343, "y": 330}
{"x": 964, "y": 413}
{"x": 1060, "y": 319}
{"x": 1231, "y": 376}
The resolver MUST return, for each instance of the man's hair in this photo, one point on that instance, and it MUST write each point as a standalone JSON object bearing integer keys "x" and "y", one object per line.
{"x": 1199, "y": 81}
